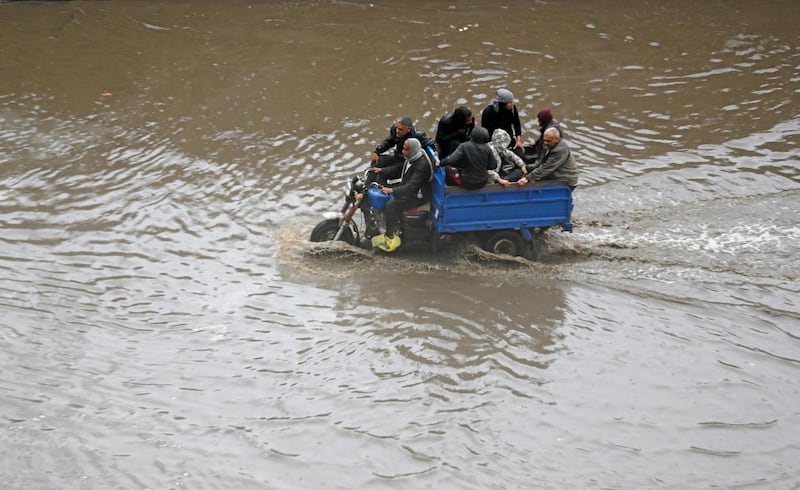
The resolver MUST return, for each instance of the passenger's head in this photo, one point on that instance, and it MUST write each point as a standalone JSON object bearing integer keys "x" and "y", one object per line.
{"x": 504, "y": 97}
{"x": 544, "y": 116}
{"x": 501, "y": 138}
{"x": 479, "y": 135}
{"x": 551, "y": 137}
{"x": 411, "y": 147}
{"x": 403, "y": 126}
{"x": 462, "y": 117}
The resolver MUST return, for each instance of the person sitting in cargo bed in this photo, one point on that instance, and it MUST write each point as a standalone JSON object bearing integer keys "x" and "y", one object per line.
{"x": 545, "y": 118}
{"x": 469, "y": 165}
{"x": 454, "y": 129}
{"x": 556, "y": 162}
{"x": 510, "y": 167}
{"x": 502, "y": 113}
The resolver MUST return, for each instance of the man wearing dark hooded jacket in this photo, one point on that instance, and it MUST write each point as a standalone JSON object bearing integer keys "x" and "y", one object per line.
{"x": 502, "y": 113}
{"x": 454, "y": 129}
{"x": 472, "y": 160}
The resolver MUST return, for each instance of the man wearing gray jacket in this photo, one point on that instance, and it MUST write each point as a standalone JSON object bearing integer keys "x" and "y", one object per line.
{"x": 556, "y": 163}
{"x": 469, "y": 165}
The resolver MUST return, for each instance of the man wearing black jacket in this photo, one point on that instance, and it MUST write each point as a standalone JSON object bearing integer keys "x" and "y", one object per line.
{"x": 502, "y": 113}
{"x": 454, "y": 129}
{"x": 398, "y": 134}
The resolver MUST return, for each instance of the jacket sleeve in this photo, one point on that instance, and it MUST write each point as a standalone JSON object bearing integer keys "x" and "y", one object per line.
{"x": 517, "y": 123}
{"x": 514, "y": 158}
{"x": 454, "y": 159}
{"x": 554, "y": 160}
{"x": 494, "y": 171}
{"x": 418, "y": 178}
{"x": 393, "y": 171}
{"x": 489, "y": 119}
{"x": 426, "y": 140}
{"x": 444, "y": 132}
{"x": 389, "y": 142}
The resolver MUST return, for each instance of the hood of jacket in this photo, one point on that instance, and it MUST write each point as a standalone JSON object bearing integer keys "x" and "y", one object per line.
{"x": 414, "y": 149}
{"x": 500, "y": 138}
{"x": 479, "y": 135}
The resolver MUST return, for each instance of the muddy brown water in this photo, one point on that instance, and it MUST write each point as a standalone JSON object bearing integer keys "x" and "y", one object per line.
{"x": 164, "y": 322}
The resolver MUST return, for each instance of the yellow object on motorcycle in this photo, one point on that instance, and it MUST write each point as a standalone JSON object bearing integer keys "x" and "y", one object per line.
{"x": 386, "y": 244}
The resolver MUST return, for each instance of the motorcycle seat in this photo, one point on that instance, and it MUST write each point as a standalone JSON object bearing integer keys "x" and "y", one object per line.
{"x": 420, "y": 210}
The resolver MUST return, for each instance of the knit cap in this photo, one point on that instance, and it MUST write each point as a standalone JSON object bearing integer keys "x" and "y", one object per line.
{"x": 504, "y": 96}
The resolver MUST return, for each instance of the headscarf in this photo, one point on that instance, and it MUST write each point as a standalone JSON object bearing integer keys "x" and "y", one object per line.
{"x": 500, "y": 139}
{"x": 502, "y": 97}
{"x": 499, "y": 145}
{"x": 415, "y": 151}
{"x": 544, "y": 116}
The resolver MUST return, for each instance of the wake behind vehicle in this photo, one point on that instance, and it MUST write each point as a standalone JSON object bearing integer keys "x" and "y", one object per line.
{"x": 500, "y": 219}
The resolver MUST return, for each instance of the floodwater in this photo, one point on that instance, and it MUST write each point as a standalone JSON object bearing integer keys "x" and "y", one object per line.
{"x": 164, "y": 322}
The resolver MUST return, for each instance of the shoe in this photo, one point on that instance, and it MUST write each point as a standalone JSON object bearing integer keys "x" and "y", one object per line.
{"x": 385, "y": 243}
{"x": 389, "y": 244}
{"x": 393, "y": 243}
{"x": 379, "y": 241}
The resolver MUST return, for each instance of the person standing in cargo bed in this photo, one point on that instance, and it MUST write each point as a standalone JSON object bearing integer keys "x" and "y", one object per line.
{"x": 502, "y": 114}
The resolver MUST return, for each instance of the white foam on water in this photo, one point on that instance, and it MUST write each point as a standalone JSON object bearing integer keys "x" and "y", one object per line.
{"x": 732, "y": 241}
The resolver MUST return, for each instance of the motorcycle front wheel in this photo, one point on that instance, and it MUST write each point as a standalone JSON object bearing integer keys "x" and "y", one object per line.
{"x": 327, "y": 229}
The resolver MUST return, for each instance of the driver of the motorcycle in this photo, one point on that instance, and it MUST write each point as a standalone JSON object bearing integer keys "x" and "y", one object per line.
{"x": 412, "y": 191}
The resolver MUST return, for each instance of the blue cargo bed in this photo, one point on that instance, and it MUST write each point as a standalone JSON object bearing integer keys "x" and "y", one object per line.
{"x": 536, "y": 205}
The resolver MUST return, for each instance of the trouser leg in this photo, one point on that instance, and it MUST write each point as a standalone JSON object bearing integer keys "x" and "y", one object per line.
{"x": 383, "y": 161}
{"x": 514, "y": 175}
{"x": 388, "y": 160}
{"x": 394, "y": 212}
